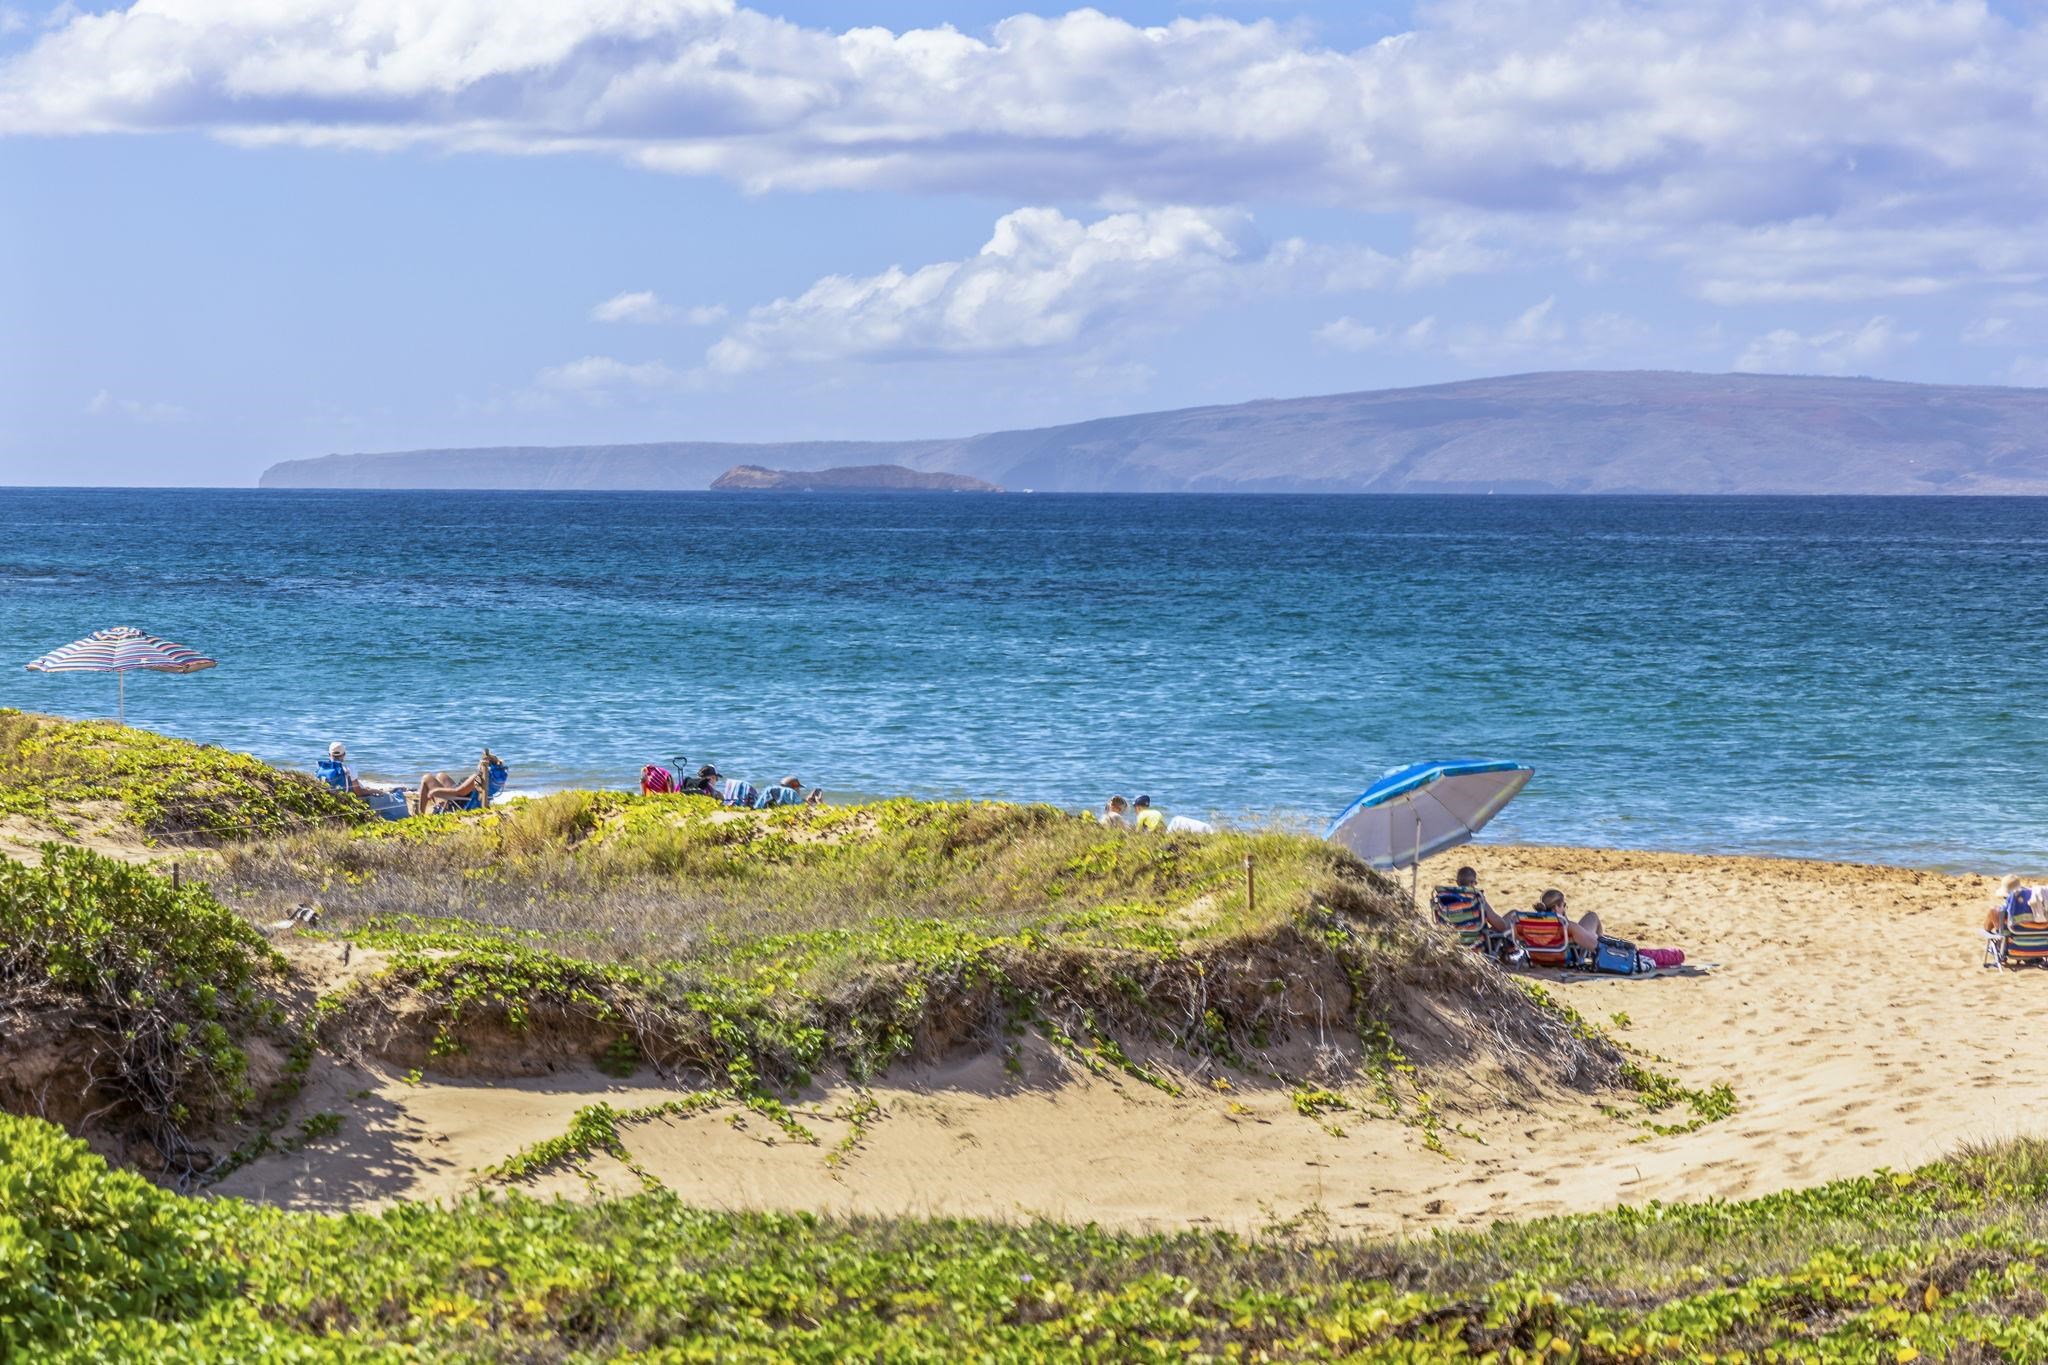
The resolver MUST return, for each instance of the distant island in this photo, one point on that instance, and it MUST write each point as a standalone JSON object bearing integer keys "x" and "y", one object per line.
{"x": 1568, "y": 432}
{"x": 866, "y": 478}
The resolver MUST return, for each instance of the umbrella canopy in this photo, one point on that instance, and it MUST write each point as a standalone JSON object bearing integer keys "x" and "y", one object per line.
{"x": 1425, "y": 808}
{"x": 117, "y": 651}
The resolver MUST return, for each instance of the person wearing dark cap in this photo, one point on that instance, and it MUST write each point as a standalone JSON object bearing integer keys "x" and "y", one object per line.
{"x": 1144, "y": 817}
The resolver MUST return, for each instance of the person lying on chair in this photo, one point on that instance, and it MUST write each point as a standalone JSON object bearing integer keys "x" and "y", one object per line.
{"x": 443, "y": 786}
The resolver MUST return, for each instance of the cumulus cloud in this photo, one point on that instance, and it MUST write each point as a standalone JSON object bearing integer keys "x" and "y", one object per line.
{"x": 1042, "y": 282}
{"x": 2028, "y": 371}
{"x": 1535, "y": 335}
{"x": 107, "y": 404}
{"x": 601, "y": 376}
{"x": 645, "y": 306}
{"x": 1840, "y": 350}
{"x": 1349, "y": 334}
{"x": 1809, "y": 149}
{"x": 641, "y": 305}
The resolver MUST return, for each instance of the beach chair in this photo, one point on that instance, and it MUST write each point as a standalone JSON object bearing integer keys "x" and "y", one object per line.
{"x": 333, "y": 772}
{"x": 734, "y": 792}
{"x": 655, "y": 780}
{"x": 1543, "y": 940}
{"x": 2017, "y": 943}
{"x": 494, "y": 782}
{"x": 778, "y": 795}
{"x": 1462, "y": 910}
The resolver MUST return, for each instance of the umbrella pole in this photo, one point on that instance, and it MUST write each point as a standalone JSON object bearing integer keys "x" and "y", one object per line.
{"x": 121, "y": 695}
{"x": 1415, "y": 868}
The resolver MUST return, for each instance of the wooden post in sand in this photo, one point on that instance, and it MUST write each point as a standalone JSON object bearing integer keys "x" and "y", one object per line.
{"x": 174, "y": 876}
{"x": 1251, "y": 900}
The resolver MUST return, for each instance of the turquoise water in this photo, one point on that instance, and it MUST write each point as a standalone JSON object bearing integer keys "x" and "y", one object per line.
{"x": 1853, "y": 678}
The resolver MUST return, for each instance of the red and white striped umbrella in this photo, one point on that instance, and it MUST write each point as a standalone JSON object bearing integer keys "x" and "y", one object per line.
{"x": 117, "y": 651}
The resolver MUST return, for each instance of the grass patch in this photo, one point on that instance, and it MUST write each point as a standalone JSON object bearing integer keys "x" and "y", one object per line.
{"x": 53, "y": 771}
{"x": 1943, "y": 1262}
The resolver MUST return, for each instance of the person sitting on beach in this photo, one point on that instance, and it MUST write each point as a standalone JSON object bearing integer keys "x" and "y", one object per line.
{"x": 1116, "y": 813}
{"x": 443, "y": 786}
{"x": 1144, "y": 817}
{"x": 340, "y": 776}
{"x": 1468, "y": 885}
{"x": 337, "y": 772}
{"x": 1584, "y": 932}
{"x": 2017, "y": 901}
{"x": 702, "y": 783}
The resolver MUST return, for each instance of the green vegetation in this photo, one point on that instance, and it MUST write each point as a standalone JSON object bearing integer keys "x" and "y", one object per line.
{"x": 1944, "y": 1262}
{"x": 753, "y": 949}
{"x": 162, "y": 981}
{"x": 57, "y": 772}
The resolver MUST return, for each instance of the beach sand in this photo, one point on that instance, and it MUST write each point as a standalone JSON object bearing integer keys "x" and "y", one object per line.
{"x": 1845, "y": 1005}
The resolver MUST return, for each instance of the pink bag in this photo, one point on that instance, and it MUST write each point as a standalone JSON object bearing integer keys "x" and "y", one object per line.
{"x": 1665, "y": 958}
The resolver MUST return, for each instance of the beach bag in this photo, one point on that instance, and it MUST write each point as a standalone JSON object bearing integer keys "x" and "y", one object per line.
{"x": 1616, "y": 956}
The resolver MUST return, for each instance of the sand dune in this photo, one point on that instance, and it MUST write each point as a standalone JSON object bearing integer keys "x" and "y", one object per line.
{"x": 1848, "y": 1010}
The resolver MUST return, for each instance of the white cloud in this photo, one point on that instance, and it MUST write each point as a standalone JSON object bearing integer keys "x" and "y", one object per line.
{"x": 601, "y": 377}
{"x": 1808, "y": 149}
{"x": 641, "y": 305}
{"x": 1349, "y": 334}
{"x": 1989, "y": 331}
{"x": 645, "y": 306}
{"x": 1535, "y": 335}
{"x": 1042, "y": 282}
{"x": 2028, "y": 371}
{"x": 107, "y": 404}
{"x": 1841, "y": 350}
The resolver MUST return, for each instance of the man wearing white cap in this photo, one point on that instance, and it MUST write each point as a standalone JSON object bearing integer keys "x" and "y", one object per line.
{"x": 337, "y": 753}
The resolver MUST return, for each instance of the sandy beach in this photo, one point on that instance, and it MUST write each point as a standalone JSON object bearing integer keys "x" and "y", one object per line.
{"x": 1846, "y": 1006}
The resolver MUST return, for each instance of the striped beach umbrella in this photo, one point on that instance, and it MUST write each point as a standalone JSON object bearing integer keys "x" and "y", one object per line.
{"x": 117, "y": 651}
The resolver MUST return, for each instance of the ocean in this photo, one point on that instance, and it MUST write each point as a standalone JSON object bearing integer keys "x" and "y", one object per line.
{"x": 1846, "y": 678}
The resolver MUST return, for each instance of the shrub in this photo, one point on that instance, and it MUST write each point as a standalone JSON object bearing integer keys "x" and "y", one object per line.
{"x": 80, "y": 1241}
{"x": 166, "y": 787}
{"x": 164, "y": 978}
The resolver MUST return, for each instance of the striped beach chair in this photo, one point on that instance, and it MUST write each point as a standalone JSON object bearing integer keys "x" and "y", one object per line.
{"x": 1544, "y": 940}
{"x": 1461, "y": 910}
{"x": 2017, "y": 943}
{"x": 734, "y": 792}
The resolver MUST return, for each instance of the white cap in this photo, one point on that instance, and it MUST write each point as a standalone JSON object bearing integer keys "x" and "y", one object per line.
{"x": 337, "y": 750}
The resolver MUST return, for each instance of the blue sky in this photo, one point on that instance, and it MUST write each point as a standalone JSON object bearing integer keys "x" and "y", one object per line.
{"x": 236, "y": 233}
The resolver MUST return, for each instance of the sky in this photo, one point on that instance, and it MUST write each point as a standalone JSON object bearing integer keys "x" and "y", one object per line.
{"x": 239, "y": 231}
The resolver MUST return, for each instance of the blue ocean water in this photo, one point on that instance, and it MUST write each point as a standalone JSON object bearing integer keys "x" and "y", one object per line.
{"x": 1851, "y": 678}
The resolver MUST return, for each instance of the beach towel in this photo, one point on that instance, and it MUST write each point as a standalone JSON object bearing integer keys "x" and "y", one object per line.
{"x": 779, "y": 795}
{"x": 1187, "y": 824}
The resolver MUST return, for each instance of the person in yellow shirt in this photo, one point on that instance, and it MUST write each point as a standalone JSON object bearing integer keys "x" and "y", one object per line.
{"x": 1144, "y": 817}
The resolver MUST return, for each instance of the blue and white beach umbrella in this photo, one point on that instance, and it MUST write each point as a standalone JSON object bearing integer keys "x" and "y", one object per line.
{"x": 1425, "y": 808}
{"x": 117, "y": 651}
